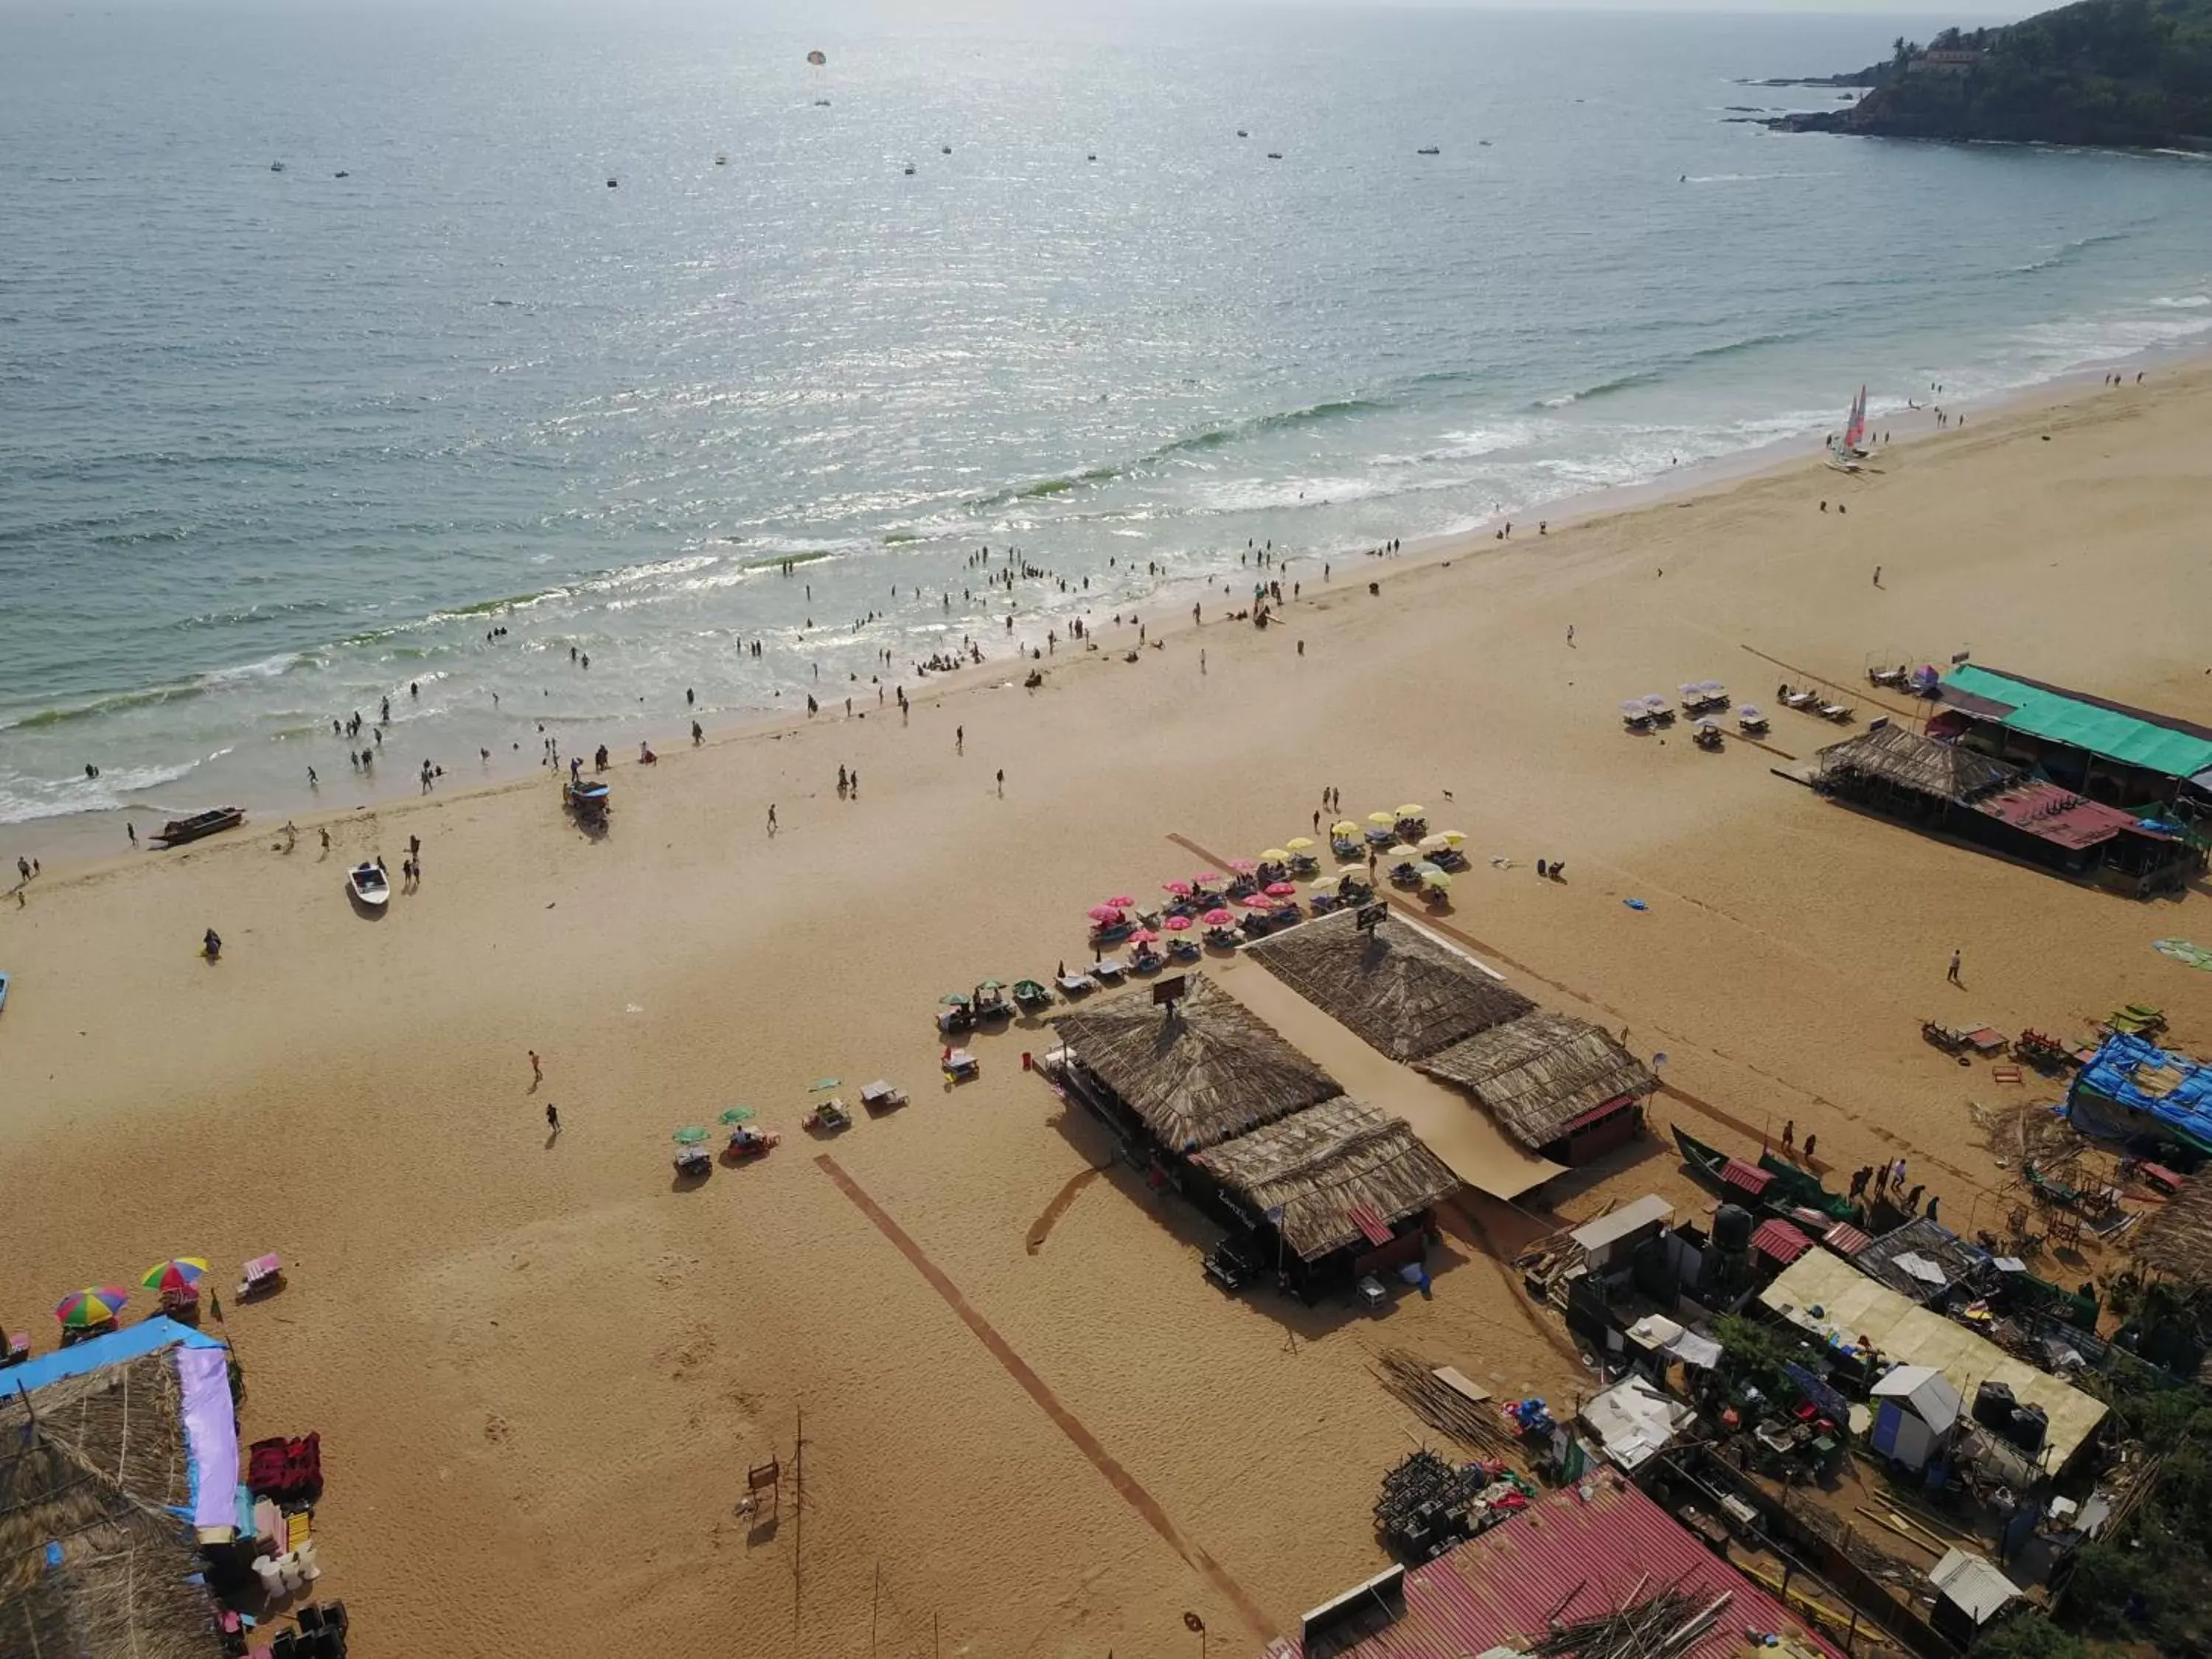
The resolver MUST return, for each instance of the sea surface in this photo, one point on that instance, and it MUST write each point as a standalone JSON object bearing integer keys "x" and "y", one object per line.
{"x": 276, "y": 445}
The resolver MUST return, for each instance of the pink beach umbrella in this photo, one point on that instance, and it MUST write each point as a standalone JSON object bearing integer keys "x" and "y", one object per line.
{"x": 1219, "y": 918}
{"x": 1103, "y": 913}
{"x": 1121, "y": 902}
{"x": 1282, "y": 890}
{"x": 1179, "y": 889}
{"x": 1243, "y": 866}
{"x": 1205, "y": 879}
{"x": 1144, "y": 936}
{"x": 1257, "y": 901}
{"x": 1178, "y": 924}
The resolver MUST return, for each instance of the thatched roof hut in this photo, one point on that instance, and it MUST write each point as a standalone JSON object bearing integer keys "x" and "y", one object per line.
{"x": 1401, "y": 990}
{"x": 1892, "y": 757}
{"x": 1323, "y": 1164}
{"x": 2178, "y": 1240}
{"x": 1214, "y": 1069}
{"x": 1540, "y": 1072}
{"x": 94, "y": 1465}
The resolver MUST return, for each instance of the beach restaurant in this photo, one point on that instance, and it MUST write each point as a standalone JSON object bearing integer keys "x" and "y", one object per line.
{"x": 1217, "y": 1105}
{"x": 1561, "y": 1087}
{"x": 1957, "y": 790}
{"x": 2112, "y": 753}
{"x": 2132, "y": 1089}
{"x": 119, "y": 1464}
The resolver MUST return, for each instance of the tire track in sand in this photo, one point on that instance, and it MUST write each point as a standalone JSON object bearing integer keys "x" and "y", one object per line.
{"x": 1088, "y": 1444}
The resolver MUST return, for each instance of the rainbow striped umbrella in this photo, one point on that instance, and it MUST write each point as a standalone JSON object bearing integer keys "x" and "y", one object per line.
{"x": 178, "y": 1273}
{"x": 93, "y": 1305}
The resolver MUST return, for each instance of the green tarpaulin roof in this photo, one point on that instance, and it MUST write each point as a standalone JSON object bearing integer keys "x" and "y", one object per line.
{"x": 2045, "y": 712}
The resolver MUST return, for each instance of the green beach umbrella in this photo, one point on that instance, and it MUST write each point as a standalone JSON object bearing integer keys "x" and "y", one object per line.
{"x": 690, "y": 1135}
{"x": 822, "y": 1083}
{"x": 737, "y": 1114}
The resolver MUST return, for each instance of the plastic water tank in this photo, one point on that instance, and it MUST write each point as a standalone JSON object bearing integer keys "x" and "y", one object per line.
{"x": 1732, "y": 1228}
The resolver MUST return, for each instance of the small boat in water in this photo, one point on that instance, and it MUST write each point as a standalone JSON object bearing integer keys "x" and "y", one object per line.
{"x": 368, "y": 885}
{"x": 213, "y": 822}
{"x": 945, "y": 149}
{"x": 275, "y": 166}
{"x": 1428, "y": 149}
{"x": 1241, "y": 133}
{"x": 721, "y": 160}
{"x": 1274, "y": 155}
{"x": 909, "y": 169}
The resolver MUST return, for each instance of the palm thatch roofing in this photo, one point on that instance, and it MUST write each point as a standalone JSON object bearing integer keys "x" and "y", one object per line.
{"x": 2178, "y": 1240}
{"x": 1891, "y": 756}
{"x": 1214, "y": 1069}
{"x": 1539, "y": 1074}
{"x": 1401, "y": 990}
{"x": 93, "y": 1466}
{"x": 1319, "y": 1163}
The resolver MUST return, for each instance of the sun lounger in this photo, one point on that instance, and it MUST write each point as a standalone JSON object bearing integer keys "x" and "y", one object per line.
{"x": 263, "y": 1273}
{"x": 880, "y": 1096}
{"x": 960, "y": 1065}
{"x": 1841, "y": 713}
{"x": 1108, "y": 970}
{"x": 1075, "y": 985}
{"x": 693, "y": 1161}
{"x": 19, "y": 1349}
{"x": 1807, "y": 699}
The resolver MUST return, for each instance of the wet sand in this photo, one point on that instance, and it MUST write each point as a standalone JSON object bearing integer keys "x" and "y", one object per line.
{"x": 541, "y": 1368}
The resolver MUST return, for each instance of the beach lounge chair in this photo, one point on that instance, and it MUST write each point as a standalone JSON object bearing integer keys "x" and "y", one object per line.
{"x": 261, "y": 1275}
{"x": 1182, "y": 948}
{"x": 2137, "y": 1019}
{"x": 181, "y": 1302}
{"x": 1841, "y": 713}
{"x": 829, "y": 1117}
{"x": 1145, "y": 960}
{"x": 1403, "y": 874}
{"x": 1076, "y": 985}
{"x": 960, "y": 1065}
{"x": 1107, "y": 972}
{"x": 1807, "y": 698}
{"x": 1639, "y": 720}
{"x": 1751, "y": 722}
{"x": 880, "y": 1096}
{"x": 18, "y": 1349}
{"x": 1344, "y": 847}
{"x": 745, "y": 1142}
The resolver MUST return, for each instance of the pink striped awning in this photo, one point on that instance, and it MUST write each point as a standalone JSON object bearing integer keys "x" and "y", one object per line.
{"x": 1752, "y": 1181}
{"x": 1363, "y": 1217}
{"x": 1780, "y": 1242}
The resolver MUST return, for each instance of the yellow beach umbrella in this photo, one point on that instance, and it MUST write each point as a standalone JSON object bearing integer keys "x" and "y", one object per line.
{"x": 1411, "y": 811}
{"x": 1323, "y": 884}
{"x": 1403, "y": 851}
{"x": 1344, "y": 827}
{"x": 1435, "y": 843}
{"x": 1436, "y": 878}
{"x": 1299, "y": 843}
{"x": 1455, "y": 838}
{"x": 1275, "y": 855}
{"x": 1383, "y": 820}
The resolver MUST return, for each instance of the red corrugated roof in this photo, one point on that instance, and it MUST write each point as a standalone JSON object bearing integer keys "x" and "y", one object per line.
{"x": 2056, "y": 815}
{"x": 1570, "y": 1557}
{"x": 1754, "y": 1181}
{"x": 1778, "y": 1239}
{"x": 1845, "y": 1239}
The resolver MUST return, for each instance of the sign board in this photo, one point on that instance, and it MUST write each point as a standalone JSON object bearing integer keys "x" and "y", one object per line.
{"x": 1170, "y": 990}
{"x": 1368, "y": 917}
{"x": 1957, "y": 657}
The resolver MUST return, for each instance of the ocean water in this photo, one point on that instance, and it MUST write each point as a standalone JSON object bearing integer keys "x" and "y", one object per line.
{"x": 275, "y": 444}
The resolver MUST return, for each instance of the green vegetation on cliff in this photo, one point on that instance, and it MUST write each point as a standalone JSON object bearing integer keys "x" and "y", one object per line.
{"x": 2134, "y": 72}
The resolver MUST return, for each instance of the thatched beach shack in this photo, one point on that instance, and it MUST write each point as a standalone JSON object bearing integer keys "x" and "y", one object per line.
{"x": 1405, "y": 994}
{"x": 1344, "y": 1188}
{"x": 1955, "y": 790}
{"x": 1560, "y": 1086}
{"x": 118, "y": 1463}
{"x": 1219, "y": 1105}
{"x": 1190, "y": 1078}
{"x": 2176, "y": 1241}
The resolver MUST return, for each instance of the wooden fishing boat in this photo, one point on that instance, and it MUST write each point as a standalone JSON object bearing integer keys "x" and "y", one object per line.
{"x": 213, "y": 822}
{"x": 368, "y": 885}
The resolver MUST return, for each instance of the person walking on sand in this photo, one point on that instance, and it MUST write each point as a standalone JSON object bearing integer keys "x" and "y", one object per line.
{"x": 771, "y": 817}
{"x": 959, "y": 739}
{"x": 1790, "y": 1135}
{"x": 553, "y": 1117}
{"x": 1571, "y": 633}
{"x": 1811, "y": 1141}
{"x": 1002, "y": 783}
{"x": 131, "y": 830}
{"x": 1877, "y": 575}
{"x": 1952, "y": 975}
{"x": 536, "y": 1069}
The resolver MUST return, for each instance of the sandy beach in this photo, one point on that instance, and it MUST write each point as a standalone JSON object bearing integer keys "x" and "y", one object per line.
{"x": 1030, "y": 1426}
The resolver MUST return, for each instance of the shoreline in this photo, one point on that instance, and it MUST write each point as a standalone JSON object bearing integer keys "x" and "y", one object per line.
{"x": 538, "y": 1340}
{"x": 80, "y": 843}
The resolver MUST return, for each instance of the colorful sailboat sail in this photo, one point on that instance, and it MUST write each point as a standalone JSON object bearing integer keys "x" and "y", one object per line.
{"x": 1854, "y": 432}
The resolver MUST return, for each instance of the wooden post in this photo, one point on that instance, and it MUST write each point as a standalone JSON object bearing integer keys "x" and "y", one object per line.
{"x": 798, "y": 1513}
{"x": 1851, "y": 1635}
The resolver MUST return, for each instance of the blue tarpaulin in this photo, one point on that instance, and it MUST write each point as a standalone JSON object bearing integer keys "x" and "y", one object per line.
{"x": 2133, "y": 1087}
{"x": 146, "y": 1336}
